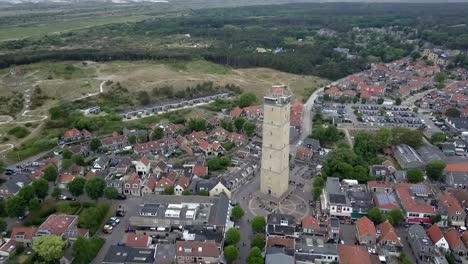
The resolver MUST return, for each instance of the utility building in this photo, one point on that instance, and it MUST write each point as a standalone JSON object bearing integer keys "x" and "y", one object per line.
{"x": 275, "y": 149}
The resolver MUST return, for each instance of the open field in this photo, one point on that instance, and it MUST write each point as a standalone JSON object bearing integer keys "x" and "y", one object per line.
{"x": 18, "y": 32}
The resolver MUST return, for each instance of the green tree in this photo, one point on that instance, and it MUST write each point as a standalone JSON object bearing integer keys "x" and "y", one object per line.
{"x": 438, "y": 137}
{"x": 258, "y": 241}
{"x": 414, "y": 138}
{"x": 247, "y": 99}
{"x": 375, "y": 215}
{"x": 404, "y": 259}
{"x": 415, "y": 176}
{"x": 95, "y": 144}
{"x": 56, "y": 192}
{"x": 66, "y": 164}
{"x": 41, "y": 188}
{"x": 232, "y": 236}
{"x": 398, "y": 101}
{"x": 169, "y": 190}
{"x": 231, "y": 253}
{"x": 84, "y": 250}
{"x": 239, "y": 123}
{"x": 435, "y": 169}
{"x": 203, "y": 193}
{"x": 249, "y": 128}
{"x": 317, "y": 191}
{"x": 3, "y": 225}
{"x": 380, "y": 101}
{"x": 76, "y": 187}
{"x": 34, "y": 205}
{"x": 453, "y": 112}
{"x": 227, "y": 125}
{"x": 3, "y": 209}
{"x": 383, "y": 138}
{"x": 197, "y": 124}
{"x": 258, "y": 224}
{"x": 440, "y": 77}
{"x": 255, "y": 256}
{"x": 79, "y": 160}
{"x": 395, "y": 216}
{"x": 50, "y": 173}
{"x": 237, "y": 213}
{"x": 2, "y": 166}
{"x": 132, "y": 139}
{"x": 95, "y": 188}
{"x": 16, "y": 206}
{"x": 436, "y": 218}
{"x": 67, "y": 154}
{"x": 111, "y": 193}
{"x": 49, "y": 247}
{"x": 158, "y": 133}
{"x": 143, "y": 97}
{"x": 27, "y": 192}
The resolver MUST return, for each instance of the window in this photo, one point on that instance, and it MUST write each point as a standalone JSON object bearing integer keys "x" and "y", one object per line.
{"x": 127, "y": 185}
{"x": 135, "y": 185}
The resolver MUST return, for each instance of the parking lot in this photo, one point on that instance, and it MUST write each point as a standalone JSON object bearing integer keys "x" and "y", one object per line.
{"x": 386, "y": 116}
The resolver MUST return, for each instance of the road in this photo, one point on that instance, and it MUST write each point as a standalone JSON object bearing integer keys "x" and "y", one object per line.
{"x": 307, "y": 117}
{"x": 132, "y": 205}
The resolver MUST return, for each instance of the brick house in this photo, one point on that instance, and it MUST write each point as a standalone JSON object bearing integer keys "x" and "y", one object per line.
{"x": 456, "y": 214}
{"x": 132, "y": 185}
{"x": 365, "y": 231}
{"x": 197, "y": 252}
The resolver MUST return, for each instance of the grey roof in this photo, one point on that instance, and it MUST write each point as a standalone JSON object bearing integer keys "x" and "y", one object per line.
{"x": 447, "y": 146}
{"x": 419, "y": 241}
{"x": 407, "y": 157}
{"x": 276, "y": 219}
{"x": 123, "y": 254}
{"x": 459, "y": 178}
{"x": 281, "y": 224}
{"x": 430, "y": 152}
{"x": 314, "y": 245}
{"x": 333, "y": 185}
{"x": 311, "y": 143}
{"x": 165, "y": 253}
{"x": 278, "y": 258}
{"x": 16, "y": 182}
{"x": 379, "y": 171}
{"x": 361, "y": 201}
{"x": 460, "y": 123}
{"x": 337, "y": 198}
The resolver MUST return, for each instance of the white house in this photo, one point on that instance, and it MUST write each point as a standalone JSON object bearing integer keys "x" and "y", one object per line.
{"x": 437, "y": 237}
{"x": 142, "y": 166}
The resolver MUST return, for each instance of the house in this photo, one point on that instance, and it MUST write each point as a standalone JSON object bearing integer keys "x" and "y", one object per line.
{"x": 92, "y": 110}
{"x": 143, "y": 166}
{"x": 455, "y": 243}
{"x": 312, "y": 144}
{"x": 65, "y": 179}
{"x": 414, "y": 202}
{"x": 311, "y": 248}
{"x": 149, "y": 185}
{"x": 352, "y": 254}
{"x": 464, "y": 238}
{"x": 333, "y": 230}
{"x": 128, "y": 255}
{"x": 238, "y": 139}
{"x": 304, "y": 154}
{"x": 253, "y": 112}
{"x": 236, "y": 112}
{"x": 138, "y": 240}
{"x": 310, "y": 225}
{"x": 64, "y": 226}
{"x": 420, "y": 244}
{"x": 181, "y": 185}
{"x": 386, "y": 202}
{"x": 219, "y": 188}
{"x": 114, "y": 142}
{"x": 334, "y": 200}
{"x": 379, "y": 187}
{"x": 456, "y": 214}
{"x": 281, "y": 242}
{"x": 132, "y": 184}
{"x": 365, "y": 232}
{"x": 14, "y": 184}
{"x": 162, "y": 184}
{"x": 281, "y": 225}
{"x": 220, "y": 134}
{"x": 200, "y": 171}
{"x": 23, "y": 235}
{"x": 456, "y": 175}
{"x": 165, "y": 253}
{"x": 379, "y": 171}
{"x": 388, "y": 240}
{"x": 7, "y": 248}
{"x": 101, "y": 163}
{"x": 197, "y": 252}
{"x": 155, "y": 146}
{"x": 278, "y": 255}
{"x": 72, "y": 135}
{"x": 389, "y": 165}
{"x": 196, "y": 137}
{"x": 437, "y": 237}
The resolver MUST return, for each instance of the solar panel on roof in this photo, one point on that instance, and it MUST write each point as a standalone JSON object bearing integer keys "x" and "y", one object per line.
{"x": 418, "y": 188}
{"x": 383, "y": 199}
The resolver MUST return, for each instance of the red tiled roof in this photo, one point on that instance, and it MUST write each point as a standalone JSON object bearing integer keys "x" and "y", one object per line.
{"x": 236, "y": 112}
{"x": 304, "y": 153}
{"x": 435, "y": 234}
{"x": 365, "y": 227}
{"x": 377, "y": 185}
{"x": 350, "y": 254}
{"x": 236, "y": 137}
{"x": 334, "y": 92}
{"x": 27, "y": 232}
{"x": 350, "y": 93}
{"x": 366, "y": 95}
{"x": 371, "y": 89}
{"x": 172, "y": 176}
{"x": 216, "y": 146}
{"x": 297, "y": 107}
{"x": 151, "y": 183}
{"x": 456, "y": 168}
{"x": 133, "y": 179}
{"x": 273, "y": 241}
{"x": 71, "y": 134}
{"x": 66, "y": 178}
{"x": 183, "y": 182}
{"x": 145, "y": 160}
{"x": 310, "y": 222}
{"x": 387, "y": 232}
{"x": 296, "y": 120}
{"x": 137, "y": 241}
{"x": 90, "y": 175}
{"x": 407, "y": 201}
{"x": 200, "y": 171}
{"x": 164, "y": 182}
{"x": 451, "y": 204}
{"x": 197, "y": 249}
{"x": 58, "y": 224}
{"x": 453, "y": 239}
{"x": 204, "y": 145}
{"x": 464, "y": 238}
{"x": 85, "y": 133}
{"x": 150, "y": 146}
{"x": 254, "y": 109}
{"x": 181, "y": 140}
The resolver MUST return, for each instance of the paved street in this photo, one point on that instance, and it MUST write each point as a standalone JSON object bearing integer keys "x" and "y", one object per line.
{"x": 132, "y": 205}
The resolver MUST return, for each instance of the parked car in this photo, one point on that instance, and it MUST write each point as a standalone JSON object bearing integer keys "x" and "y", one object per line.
{"x": 121, "y": 197}
{"x": 107, "y": 229}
